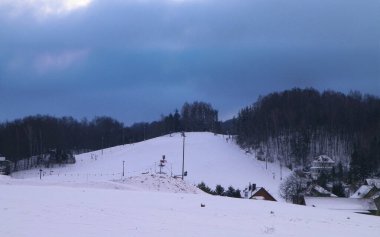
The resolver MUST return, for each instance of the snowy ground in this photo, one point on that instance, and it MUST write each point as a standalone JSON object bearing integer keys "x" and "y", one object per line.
{"x": 209, "y": 158}
{"x": 31, "y": 208}
{"x": 91, "y": 198}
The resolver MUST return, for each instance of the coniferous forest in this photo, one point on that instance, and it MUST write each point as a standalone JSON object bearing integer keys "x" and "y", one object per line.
{"x": 295, "y": 126}
{"x": 291, "y": 127}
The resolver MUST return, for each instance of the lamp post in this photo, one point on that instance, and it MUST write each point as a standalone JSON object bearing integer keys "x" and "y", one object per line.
{"x": 102, "y": 144}
{"x": 123, "y": 167}
{"x": 183, "y": 153}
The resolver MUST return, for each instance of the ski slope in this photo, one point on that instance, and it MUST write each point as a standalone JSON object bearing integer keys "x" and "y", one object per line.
{"x": 32, "y": 208}
{"x": 213, "y": 159}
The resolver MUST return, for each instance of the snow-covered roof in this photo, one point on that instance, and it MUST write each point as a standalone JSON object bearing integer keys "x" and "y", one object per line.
{"x": 373, "y": 182}
{"x": 324, "y": 159}
{"x": 362, "y": 191}
{"x": 346, "y": 204}
{"x": 321, "y": 190}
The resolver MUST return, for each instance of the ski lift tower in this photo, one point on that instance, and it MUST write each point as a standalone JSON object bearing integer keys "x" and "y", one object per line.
{"x": 162, "y": 164}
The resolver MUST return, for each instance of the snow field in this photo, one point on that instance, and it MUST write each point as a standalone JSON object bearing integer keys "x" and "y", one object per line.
{"x": 58, "y": 211}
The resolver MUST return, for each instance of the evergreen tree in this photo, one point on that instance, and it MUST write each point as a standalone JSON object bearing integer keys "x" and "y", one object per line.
{"x": 219, "y": 190}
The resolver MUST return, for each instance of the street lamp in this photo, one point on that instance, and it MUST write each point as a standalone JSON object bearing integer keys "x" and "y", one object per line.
{"x": 123, "y": 167}
{"x": 102, "y": 144}
{"x": 183, "y": 153}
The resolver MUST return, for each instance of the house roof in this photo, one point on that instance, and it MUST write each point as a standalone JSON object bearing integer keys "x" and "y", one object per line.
{"x": 343, "y": 204}
{"x": 324, "y": 159}
{"x": 362, "y": 191}
{"x": 257, "y": 196}
{"x": 373, "y": 182}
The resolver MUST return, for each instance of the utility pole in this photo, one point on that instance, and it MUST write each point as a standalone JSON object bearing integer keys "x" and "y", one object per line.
{"x": 123, "y": 167}
{"x": 183, "y": 153}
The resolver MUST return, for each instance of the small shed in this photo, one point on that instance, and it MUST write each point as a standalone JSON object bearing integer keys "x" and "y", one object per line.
{"x": 261, "y": 193}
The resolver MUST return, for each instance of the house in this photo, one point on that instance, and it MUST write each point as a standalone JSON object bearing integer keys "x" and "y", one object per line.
{"x": 261, "y": 193}
{"x": 357, "y": 205}
{"x": 315, "y": 190}
{"x": 365, "y": 191}
{"x": 321, "y": 164}
{"x": 5, "y": 166}
{"x": 368, "y": 192}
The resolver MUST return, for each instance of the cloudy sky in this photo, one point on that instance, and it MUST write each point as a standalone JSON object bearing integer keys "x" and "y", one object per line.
{"x": 137, "y": 59}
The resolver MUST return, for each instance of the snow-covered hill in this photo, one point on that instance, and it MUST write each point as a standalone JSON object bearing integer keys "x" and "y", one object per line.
{"x": 213, "y": 159}
{"x": 57, "y": 211}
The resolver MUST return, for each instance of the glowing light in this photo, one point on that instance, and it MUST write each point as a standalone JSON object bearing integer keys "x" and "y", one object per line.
{"x": 43, "y": 8}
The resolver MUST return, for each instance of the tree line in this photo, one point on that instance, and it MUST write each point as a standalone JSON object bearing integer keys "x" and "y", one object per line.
{"x": 292, "y": 126}
{"x": 41, "y": 134}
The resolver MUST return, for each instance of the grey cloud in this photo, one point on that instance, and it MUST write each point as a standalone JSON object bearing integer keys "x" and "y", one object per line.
{"x": 154, "y": 56}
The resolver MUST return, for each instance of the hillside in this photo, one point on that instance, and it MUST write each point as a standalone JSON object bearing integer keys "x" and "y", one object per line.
{"x": 213, "y": 159}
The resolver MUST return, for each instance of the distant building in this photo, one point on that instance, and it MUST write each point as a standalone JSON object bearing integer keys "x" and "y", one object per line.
{"x": 261, "y": 193}
{"x": 321, "y": 164}
{"x": 5, "y": 166}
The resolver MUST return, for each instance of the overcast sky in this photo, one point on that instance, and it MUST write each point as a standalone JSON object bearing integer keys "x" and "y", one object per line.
{"x": 137, "y": 59}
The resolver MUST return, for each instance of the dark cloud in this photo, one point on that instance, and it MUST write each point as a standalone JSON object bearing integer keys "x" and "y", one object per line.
{"x": 137, "y": 59}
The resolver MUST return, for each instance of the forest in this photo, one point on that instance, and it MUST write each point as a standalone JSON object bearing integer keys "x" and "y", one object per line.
{"x": 295, "y": 126}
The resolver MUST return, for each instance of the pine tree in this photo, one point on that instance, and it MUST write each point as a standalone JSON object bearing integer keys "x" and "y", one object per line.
{"x": 219, "y": 190}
